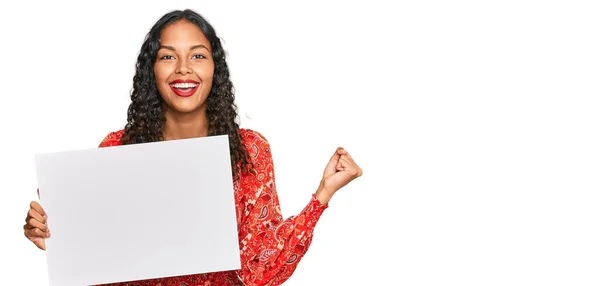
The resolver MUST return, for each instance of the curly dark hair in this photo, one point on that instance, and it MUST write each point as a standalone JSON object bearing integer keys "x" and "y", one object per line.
{"x": 145, "y": 115}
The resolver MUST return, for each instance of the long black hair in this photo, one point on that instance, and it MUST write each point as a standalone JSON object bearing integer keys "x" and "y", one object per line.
{"x": 145, "y": 115}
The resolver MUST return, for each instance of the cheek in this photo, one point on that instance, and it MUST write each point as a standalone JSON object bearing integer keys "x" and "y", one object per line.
{"x": 160, "y": 73}
{"x": 161, "y": 76}
{"x": 205, "y": 72}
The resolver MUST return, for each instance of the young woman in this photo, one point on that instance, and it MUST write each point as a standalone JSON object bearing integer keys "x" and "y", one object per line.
{"x": 181, "y": 89}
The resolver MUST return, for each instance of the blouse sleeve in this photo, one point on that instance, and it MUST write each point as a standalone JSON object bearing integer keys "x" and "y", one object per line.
{"x": 271, "y": 247}
{"x": 112, "y": 139}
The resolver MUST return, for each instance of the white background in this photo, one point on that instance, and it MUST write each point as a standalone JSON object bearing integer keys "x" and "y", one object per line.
{"x": 477, "y": 126}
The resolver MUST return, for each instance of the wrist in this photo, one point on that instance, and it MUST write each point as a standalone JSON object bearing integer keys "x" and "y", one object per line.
{"x": 323, "y": 195}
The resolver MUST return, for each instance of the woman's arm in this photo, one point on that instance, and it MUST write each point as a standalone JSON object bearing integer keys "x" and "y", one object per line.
{"x": 271, "y": 247}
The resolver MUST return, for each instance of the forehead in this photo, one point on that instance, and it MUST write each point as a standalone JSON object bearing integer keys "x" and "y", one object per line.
{"x": 183, "y": 33}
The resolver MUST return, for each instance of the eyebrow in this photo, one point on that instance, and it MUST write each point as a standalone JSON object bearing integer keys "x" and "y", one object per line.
{"x": 191, "y": 48}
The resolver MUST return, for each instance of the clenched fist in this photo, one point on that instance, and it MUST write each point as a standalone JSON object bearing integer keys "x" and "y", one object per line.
{"x": 340, "y": 171}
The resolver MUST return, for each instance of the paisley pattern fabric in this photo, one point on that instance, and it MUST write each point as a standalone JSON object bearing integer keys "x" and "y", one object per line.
{"x": 270, "y": 245}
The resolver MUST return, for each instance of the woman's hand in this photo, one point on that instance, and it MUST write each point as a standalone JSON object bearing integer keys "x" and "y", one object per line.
{"x": 340, "y": 171}
{"x": 35, "y": 227}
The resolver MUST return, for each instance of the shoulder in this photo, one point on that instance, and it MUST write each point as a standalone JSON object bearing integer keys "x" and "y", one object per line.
{"x": 112, "y": 139}
{"x": 250, "y": 137}
{"x": 256, "y": 144}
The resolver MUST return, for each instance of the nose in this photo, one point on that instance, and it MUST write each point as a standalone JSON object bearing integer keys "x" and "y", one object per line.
{"x": 182, "y": 67}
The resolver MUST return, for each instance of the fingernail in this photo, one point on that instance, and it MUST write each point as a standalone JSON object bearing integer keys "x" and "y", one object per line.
{"x": 47, "y": 234}
{"x": 45, "y": 216}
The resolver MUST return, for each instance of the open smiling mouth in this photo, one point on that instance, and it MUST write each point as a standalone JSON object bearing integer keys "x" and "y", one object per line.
{"x": 184, "y": 88}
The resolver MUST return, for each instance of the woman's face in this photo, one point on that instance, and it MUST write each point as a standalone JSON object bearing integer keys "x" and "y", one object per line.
{"x": 184, "y": 68}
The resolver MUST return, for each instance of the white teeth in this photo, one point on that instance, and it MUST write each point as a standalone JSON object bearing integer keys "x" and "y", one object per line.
{"x": 184, "y": 85}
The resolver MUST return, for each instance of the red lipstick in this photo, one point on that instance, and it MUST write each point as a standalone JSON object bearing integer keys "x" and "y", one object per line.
{"x": 184, "y": 88}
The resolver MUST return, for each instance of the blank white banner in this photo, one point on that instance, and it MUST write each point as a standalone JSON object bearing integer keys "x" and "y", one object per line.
{"x": 139, "y": 211}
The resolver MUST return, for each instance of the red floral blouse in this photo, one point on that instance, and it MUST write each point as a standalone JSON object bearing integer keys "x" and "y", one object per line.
{"x": 271, "y": 247}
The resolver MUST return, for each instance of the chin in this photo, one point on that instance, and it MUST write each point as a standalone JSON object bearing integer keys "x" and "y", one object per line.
{"x": 183, "y": 109}
{"x": 190, "y": 106}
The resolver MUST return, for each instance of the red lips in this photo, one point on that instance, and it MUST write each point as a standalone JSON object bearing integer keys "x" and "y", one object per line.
{"x": 184, "y": 88}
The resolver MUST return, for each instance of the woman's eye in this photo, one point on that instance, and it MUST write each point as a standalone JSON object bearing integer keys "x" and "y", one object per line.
{"x": 166, "y": 57}
{"x": 198, "y": 57}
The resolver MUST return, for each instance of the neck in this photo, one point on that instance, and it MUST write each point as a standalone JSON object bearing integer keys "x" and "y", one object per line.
{"x": 185, "y": 125}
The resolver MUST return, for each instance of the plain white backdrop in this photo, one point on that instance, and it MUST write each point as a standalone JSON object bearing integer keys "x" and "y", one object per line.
{"x": 476, "y": 124}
